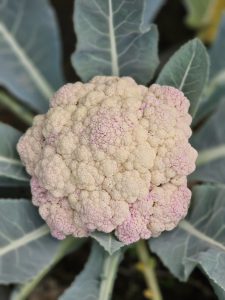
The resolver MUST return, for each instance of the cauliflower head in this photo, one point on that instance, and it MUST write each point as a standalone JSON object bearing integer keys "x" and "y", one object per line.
{"x": 113, "y": 156}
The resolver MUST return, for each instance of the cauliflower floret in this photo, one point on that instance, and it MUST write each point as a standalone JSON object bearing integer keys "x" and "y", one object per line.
{"x": 170, "y": 201}
{"x": 135, "y": 226}
{"x": 30, "y": 145}
{"x": 113, "y": 156}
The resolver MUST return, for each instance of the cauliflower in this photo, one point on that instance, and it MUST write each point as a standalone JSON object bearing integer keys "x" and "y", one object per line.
{"x": 113, "y": 156}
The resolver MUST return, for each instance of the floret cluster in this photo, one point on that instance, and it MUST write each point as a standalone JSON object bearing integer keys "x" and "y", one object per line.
{"x": 111, "y": 156}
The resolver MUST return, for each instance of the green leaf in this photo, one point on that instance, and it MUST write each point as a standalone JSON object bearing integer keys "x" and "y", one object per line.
{"x": 95, "y": 282}
{"x": 64, "y": 247}
{"x": 86, "y": 285}
{"x": 199, "y": 12}
{"x": 215, "y": 90}
{"x": 210, "y": 143}
{"x": 212, "y": 96}
{"x": 8, "y": 182}
{"x": 10, "y": 165}
{"x": 30, "y": 51}
{"x": 107, "y": 241}
{"x": 218, "y": 291}
{"x": 151, "y": 9}
{"x": 115, "y": 38}
{"x": 25, "y": 244}
{"x": 216, "y": 52}
{"x": 199, "y": 240}
{"x": 187, "y": 70}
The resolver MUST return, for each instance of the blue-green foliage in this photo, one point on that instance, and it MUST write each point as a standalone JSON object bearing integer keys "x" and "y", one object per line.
{"x": 116, "y": 38}
{"x": 188, "y": 71}
{"x": 30, "y": 55}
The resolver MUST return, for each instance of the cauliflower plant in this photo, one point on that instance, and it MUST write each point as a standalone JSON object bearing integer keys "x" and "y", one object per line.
{"x": 113, "y": 156}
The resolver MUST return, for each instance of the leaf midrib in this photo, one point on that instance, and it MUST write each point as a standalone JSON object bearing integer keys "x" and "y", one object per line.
{"x": 211, "y": 154}
{"x": 10, "y": 161}
{"x": 187, "y": 70}
{"x": 113, "y": 48}
{"x": 185, "y": 225}
{"x": 26, "y": 239}
{"x": 41, "y": 83}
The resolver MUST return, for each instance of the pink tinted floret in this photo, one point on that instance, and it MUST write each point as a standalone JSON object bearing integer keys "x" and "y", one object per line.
{"x": 105, "y": 127}
{"x": 133, "y": 229}
{"x": 183, "y": 159}
{"x": 67, "y": 94}
{"x": 169, "y": 201}
{"x": 59, "y": 218}
{"x": 135, "y": 226}
{"x": 172, "y": 96}
{"x": 55, "y": 211}
{"x": 39, "y": 194}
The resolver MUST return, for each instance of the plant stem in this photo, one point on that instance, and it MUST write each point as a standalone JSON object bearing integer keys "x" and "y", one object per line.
{"x": 20, "y": 111}
{"x": 67, "y": 245}
{"x": 206, "y": 156}
{"x": 148, "y": 270}
{"x": 110, "y": 267}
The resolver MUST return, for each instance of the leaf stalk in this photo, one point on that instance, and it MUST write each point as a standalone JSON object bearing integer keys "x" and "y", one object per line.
{"x": 19, "y": 110}
{"x": 148, "y": 264}
{"x": 110, "y": 267}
